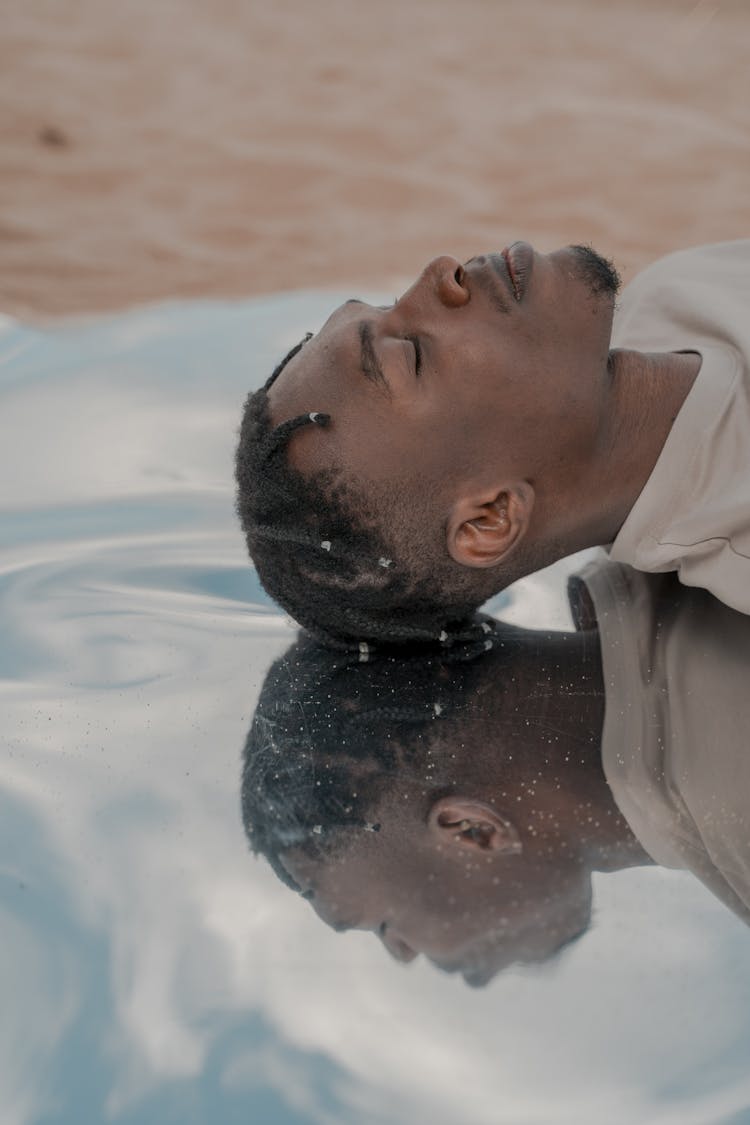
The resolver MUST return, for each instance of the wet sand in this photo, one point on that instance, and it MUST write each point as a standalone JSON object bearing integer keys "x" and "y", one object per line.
{"x": 187, "y": 149}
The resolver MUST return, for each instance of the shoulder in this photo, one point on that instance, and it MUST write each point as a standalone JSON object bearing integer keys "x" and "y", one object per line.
{"x": 701, "y": 264}
{"x": 685, "y": 297}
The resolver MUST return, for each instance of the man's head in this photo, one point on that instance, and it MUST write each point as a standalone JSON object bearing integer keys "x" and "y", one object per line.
{"x": 452, "y": 808}
{"x": 455, "y": 428}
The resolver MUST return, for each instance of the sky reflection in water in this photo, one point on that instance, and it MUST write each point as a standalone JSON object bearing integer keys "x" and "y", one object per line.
{"x": 151, "y": 970}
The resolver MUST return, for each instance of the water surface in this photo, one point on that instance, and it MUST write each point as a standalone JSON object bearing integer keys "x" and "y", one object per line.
{"x": 151, "y": 969}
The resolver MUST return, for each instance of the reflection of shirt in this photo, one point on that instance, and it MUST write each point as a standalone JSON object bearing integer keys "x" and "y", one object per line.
{"x": 676, "y": 738}
{"x": 693, "y": 514}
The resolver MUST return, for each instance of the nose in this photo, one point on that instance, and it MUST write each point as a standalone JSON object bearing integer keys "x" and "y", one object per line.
{"x": 396, "y": 946}
{"x": 442, "y": 278}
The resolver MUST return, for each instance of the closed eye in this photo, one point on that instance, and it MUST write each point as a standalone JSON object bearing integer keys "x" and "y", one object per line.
{"x": 414, "y": 341}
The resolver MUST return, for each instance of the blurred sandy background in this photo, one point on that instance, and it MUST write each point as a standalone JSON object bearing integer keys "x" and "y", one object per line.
{"x": 154, "y": 148}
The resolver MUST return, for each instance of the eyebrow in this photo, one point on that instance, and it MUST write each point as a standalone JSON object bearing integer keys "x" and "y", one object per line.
{"x": 370, "y": 363}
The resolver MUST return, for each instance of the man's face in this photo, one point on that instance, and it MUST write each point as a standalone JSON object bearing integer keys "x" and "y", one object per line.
{"x": 498, "y": 365}
{"x": 466, "y": 912}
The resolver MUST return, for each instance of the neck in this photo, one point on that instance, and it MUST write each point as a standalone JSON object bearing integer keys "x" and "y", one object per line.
{"x": 647, "y": 393}
{"x": 558, "y": 702}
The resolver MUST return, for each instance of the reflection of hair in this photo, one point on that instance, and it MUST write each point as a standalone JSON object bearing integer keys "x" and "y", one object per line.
{"x": 330, "y": 734}
{"x": 321, "y": 550}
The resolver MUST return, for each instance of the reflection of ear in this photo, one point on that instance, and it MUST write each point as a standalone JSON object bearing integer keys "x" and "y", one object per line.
{"x": 484, "y": 528}
{"x": 468, "y": 823}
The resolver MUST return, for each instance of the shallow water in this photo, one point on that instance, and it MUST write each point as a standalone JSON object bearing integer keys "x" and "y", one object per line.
{"x": 152, "y": 970}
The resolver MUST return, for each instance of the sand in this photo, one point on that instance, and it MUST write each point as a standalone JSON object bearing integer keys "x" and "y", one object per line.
{"x": 161, "y": 148}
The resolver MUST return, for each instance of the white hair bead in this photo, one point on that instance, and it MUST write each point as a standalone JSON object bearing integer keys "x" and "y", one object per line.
{"x": 326, "y": 544}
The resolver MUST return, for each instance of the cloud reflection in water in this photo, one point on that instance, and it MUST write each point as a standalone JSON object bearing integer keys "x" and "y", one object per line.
{"x": 151, "y": 970}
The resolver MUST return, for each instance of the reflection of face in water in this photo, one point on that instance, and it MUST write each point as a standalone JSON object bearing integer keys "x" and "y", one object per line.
{"x": 452, "y": 886}
{"x": 454, "y": 809}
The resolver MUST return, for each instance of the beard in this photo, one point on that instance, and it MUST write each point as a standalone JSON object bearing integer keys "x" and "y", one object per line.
{"x": 595, "y": 271}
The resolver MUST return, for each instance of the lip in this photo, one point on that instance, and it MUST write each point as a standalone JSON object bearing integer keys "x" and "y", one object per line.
{"x": 499, "y": 267}
{"x": 519, "y": 260}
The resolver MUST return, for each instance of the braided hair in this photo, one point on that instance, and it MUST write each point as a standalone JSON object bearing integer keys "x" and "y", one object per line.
{"x": 331, "y": 734}
{"x": 321, "y": 552}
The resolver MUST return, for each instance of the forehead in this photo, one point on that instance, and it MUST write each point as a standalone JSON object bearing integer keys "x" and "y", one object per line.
{"x": 322, "y": 374}
{"x": 333, "y": 374}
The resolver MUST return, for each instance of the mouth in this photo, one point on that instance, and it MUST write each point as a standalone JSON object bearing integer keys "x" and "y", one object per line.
{"x": 519, "y": 263}
{"x": 499, "y": 267}
{"x": 490, "y": 271}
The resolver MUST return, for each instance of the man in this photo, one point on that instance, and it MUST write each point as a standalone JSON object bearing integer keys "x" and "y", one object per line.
{"x": 411, "y": 460}
{"x": 458, "y": 807}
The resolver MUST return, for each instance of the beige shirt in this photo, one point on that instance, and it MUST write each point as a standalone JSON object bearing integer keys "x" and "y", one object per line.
{"x": 676, "y": 738}
{"x": 693, "y": 514}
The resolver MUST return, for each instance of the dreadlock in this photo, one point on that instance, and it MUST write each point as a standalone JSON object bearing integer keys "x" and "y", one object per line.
{"x": 321, "y": 553}
{"x": 330, "y": 734}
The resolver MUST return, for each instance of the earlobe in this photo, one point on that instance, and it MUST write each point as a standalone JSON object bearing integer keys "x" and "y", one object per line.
{"x": 474, "y": 825}
{"x": 484, "y": 529}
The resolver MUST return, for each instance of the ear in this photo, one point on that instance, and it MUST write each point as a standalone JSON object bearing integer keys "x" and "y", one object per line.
{"x": 467, "y": 823}
{"x": 483, "y": 529}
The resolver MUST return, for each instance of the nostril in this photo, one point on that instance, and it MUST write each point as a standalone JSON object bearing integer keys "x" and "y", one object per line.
{"x": 448, "y": 280}
{"x": 396, "y": 946}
